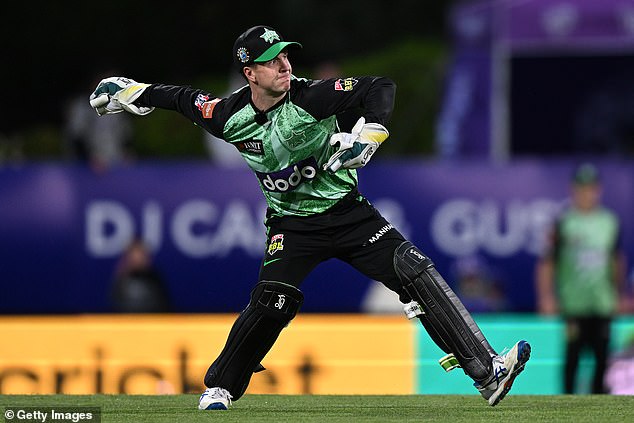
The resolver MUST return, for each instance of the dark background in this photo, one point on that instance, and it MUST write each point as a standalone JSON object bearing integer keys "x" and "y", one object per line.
{"x": 560, "y": 103}
{"x": 572, "y": 103}
{"x": 53, "y": 49}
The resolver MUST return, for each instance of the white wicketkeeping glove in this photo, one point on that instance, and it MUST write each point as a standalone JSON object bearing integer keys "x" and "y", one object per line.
{"x": 116, "y": 94}
{"x": 357, "y": 147}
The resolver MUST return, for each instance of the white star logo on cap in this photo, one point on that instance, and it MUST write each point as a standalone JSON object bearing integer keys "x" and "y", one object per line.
{"x": 269, "y": 36}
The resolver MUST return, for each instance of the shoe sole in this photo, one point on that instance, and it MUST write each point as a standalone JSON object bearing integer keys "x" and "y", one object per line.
{"x": 524, "y": 354}
{"x": 216, "y": 406}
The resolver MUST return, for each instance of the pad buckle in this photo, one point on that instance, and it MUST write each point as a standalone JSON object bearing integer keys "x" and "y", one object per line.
{"x": 412, "y": 310}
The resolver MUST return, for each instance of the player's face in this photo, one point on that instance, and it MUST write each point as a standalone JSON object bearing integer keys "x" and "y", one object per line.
{"x": 586, "y": 196}
{"x": 274, "y": 75}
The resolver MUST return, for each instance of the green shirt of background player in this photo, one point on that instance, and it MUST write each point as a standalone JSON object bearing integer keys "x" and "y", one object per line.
{"x": 582, "y": 274}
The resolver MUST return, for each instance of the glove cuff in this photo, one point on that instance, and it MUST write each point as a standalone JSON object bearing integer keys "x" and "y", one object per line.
{"x": 129, "y": 95}
{"x": 374, "y": 132}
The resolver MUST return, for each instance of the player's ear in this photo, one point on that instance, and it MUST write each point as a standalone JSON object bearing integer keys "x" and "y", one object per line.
{"x": 248, "y": 73}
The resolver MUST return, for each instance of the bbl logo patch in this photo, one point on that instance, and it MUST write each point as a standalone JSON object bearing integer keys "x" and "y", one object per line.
{"x": 200, "y": 100}
{"x": 276, "y": 244}
{"x": 345, "y": 84}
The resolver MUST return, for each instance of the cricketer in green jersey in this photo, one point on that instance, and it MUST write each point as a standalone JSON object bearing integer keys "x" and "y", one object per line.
{"x": 288, "y": 130}
{"x": 582, "y": 275}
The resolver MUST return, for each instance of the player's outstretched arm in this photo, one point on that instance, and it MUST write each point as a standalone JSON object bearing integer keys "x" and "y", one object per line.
{"x": 116, "y": 94}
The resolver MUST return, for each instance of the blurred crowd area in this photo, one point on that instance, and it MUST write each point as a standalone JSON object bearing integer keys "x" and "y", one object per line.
{"x": 476, "y": 79}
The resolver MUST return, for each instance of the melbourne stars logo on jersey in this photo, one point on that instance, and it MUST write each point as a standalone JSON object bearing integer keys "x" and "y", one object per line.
{"x": 290, "y": 178}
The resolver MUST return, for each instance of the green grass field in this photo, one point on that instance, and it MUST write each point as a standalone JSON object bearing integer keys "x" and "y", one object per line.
{"x": 319, "y": 408}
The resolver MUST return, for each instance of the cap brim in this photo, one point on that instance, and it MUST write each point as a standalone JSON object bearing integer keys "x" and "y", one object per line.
{"x": 274, "y": 50}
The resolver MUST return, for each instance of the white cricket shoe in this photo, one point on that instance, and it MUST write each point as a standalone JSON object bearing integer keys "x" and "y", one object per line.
{"x": 506, "y": 367}
{"x": 214, "y": 399}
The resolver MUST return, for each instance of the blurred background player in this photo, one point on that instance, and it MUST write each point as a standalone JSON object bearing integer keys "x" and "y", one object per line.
{"x": 582, "y": 275}
{"x": 100, "y": 143}
{"x": 138, "y": 286}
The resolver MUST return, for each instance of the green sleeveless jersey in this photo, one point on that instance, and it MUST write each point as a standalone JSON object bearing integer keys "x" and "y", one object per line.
{"x": 287, "y": 145}
{"x": 585, "y": 244}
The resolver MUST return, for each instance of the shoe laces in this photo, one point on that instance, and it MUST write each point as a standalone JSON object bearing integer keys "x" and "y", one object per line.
{"x": 220, "y": 393}
{"x": 498, "y": 370}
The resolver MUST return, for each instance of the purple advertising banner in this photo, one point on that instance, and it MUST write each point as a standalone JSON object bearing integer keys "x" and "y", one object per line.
{"x": 63, "y": 228}
{"x": 545, "y": 23}
{"x": 582, "y": 23}
{"x": 478, "y": 116}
